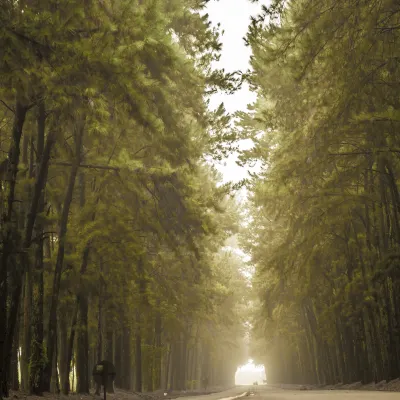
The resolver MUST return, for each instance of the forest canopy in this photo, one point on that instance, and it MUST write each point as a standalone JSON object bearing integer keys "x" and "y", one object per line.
{"x": 116, "y": 226}
{"x": 324, "y": 233}
{"x": 113, "y": 224}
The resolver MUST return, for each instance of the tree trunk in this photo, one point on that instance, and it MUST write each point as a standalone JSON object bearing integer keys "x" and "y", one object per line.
{"x": 26, "y": 333}
{"x": 55, "y": 381}
{"x": 310, "y": 346}
{"x": 82, "y": 354}
{"x": 14, "y": 379}
{"x": 63, "y": 227}
{"x": 193, "y": 376}
{"x": 7, "y": 241}
{"x": 92, "y": 362}
{"x": 118, "y": 358}
{"x": 63, "y": 354}
{"x": 340, "y": 351}
{"x": 109, "y": 350}
{"x": 100, "y": 330}
{"x": 109, "y": 355}
{"x": 182, "y": 364}
{"x": 199, "y": 363}
{"x": 138, "y": 354}
{"x": 158, "y": 350}
{"x": 177, "y": 358}
{"x": 138, "y": 334}
{"x": 38, "y": 188}
{"x": 393, "y": 370}
{"x": 37, "y": 361}
{"x": 168, "y": 380}
{"x": 126, "y": 368}
{"x": 70, "y": 350}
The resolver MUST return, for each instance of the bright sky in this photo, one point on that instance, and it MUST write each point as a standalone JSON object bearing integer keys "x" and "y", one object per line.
{"x": 234, "y": 16}
{"x": 249, "y": 373}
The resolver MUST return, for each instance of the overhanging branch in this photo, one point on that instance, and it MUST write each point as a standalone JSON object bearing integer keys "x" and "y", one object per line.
{"x": 89, "y": 166}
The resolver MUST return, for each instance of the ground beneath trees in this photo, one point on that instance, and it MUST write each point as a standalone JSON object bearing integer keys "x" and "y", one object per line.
{"x": 272, "y": 393}
{"x": 212, "y": 394}
{"x": 392, "y": 386}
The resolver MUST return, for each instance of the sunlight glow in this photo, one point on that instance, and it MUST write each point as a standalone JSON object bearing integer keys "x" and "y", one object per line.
{"x": 249, "y": 373}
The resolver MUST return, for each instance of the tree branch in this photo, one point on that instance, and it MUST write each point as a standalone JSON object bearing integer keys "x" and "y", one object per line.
{"x": 8, "y": 107}
{"x": 358, "y": 153}
{"x": 89, "y": 166}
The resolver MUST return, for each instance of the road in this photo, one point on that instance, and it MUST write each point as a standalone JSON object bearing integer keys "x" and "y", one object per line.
{"x": 229, "y": 394}
{"x": 266, "y": 393}
{"x": 269, "y": 393}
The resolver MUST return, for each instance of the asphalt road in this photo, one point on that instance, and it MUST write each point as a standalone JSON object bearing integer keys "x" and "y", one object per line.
{"x": 266, "y": 393}
{"x": 229, "y": 394}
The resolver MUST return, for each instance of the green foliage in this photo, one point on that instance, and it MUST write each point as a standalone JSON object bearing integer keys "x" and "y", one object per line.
{"x": 119, "y": 92}
{"x": 325, "y": 206}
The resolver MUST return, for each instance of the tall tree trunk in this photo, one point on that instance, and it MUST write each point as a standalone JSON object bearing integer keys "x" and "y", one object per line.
{"x": 340, "y": 351}
{"x": 100, "y": 326}
{"x": 63, "y": 227}
{"x": 168, "y": 368}
{"x": 118, "y": 358}
{"x": 199, "y": 363}
{"x": 92, "y": 363}
{"x": 172, "y": 366}
{"x": 138, "y": 354}
{"x": 177, "y": 358}
{"x": 55, "y": 381}
{"x": 37, "y": 362}
{"x": 23, "y": 368}
{"x": 14, "y": 379}
{"x": 189, "y": 358}
{"x": 138, "y": 333}
{"x": 393, "y": 368}
{"x": 26, "y": 344}
{"x": 38, "y": 188}
{"x": 126, "y": 368}
{"x": 158, "y": 348}
{"x": 100, "y": 329}
{"x": 194, "y": 364}
{"x": 82, "y": 353}
{"x": 8, "y": 244}
{"x": 183, "y": 364}
{"x": 109, "y": 350}
{"x": 109, "y": 355}
{"x": 63, "y": 353}
{"x": 70, "y": 350}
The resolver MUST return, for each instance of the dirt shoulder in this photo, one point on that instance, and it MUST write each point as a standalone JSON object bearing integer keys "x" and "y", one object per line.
{"x": 212, "y": 394}
{"x": 391, "y": 386}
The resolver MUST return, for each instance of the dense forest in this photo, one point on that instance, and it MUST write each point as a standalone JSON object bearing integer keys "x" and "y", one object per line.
{"x": 113, "y": 220}
{"x": 116, "y": 231}
{"x": 324, "y": 212}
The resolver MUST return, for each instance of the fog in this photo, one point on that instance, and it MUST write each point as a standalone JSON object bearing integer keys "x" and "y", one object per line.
{"x": 249, "y": 373}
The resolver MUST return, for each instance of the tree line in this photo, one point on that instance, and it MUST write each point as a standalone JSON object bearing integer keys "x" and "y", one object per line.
{"x": 325, "y": 209}
{"x": 113, "y": 224}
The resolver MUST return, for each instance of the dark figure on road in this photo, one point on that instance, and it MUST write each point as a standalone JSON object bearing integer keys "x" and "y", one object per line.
{"x": 205, "y": 383}
{"x": 104, "y": 373}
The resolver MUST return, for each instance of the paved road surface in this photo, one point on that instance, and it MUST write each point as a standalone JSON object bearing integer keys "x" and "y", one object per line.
{"x": 266, "y": 393}
{"x": 225, "y": 395}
